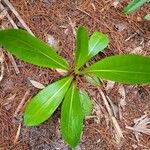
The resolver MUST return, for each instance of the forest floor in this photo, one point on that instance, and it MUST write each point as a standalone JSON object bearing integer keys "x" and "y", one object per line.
{"x": 55, "y": 20}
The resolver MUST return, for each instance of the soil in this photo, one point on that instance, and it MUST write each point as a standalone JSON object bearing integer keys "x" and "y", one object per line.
{"x": 128, "y": 34}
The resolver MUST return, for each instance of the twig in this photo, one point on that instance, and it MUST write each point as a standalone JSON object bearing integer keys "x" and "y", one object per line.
{"x": 3, "y": 13}
{"x": 114, "y": 121}
{"x": 2, "y": 64}
{"x": 83, "y": 11}
{"x": 130, "y": 37}
{"x": 17, "y": 134}
{"x": 8, "y": 16}
{"x": 17, "y": 15}
{"x": 72, "y": 26}
{"x": 13, "y": 63}
{"x": 9, "y": 100}
{"x": 21, "y": 103}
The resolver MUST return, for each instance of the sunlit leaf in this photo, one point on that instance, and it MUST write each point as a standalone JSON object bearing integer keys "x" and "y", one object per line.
{"x": 72, "y": 117}
{"x": 133, "y": 69}
{"x": 97, "y": 43}
{"x": 42, "y": 106}
{"x": 134, "y": 5}
{"x": 30, "y": 49}
{"x": 81, "y": 47}
{"x": 86, "y": 103}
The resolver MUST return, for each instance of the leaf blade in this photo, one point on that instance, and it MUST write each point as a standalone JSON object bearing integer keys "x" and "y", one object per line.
{"x": 81, "y": 47}
{"x": 30, "y": 49}
{"x": 134, "y": 5}
{"x": 97, "y": 43}
{"x": 132, "y": 69}
{"x": 42, "y": 106}
{"x": 86, "y": 103}
{"x": 72, "y": 117}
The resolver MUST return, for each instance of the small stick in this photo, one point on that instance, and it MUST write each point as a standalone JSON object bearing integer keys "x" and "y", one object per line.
{"x": 21, "y": 103}
{"x": 83, "y": 11}
{"x": 3, "y": 13}
{"x": 2, "y": 64}
{"x": 9, "y": 100}
{"x": 17, "y": 15}
{"x": 72, "y": 26}
{"x": 130, "y": 37}
{"x": 17, "y": 134}
{"x": 13, "y": 63}
{"x": 114, "y": 121}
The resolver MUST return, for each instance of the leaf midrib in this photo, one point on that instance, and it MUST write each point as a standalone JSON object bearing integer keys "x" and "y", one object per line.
{"x": 70, "y": 109}
{"x": 119, "y": 71}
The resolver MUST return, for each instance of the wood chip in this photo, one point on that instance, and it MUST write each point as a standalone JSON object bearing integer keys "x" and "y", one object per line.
{"x": 36, "y": 84}
{"x": 62, "y": 72}
{"x": 116, "y": 3}
{"x": 110, "y": 85}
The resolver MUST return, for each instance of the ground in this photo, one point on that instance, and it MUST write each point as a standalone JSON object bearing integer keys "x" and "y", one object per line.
{"x": 128, "y": 34}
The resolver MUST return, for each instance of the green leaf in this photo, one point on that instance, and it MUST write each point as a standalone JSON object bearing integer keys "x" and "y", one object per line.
{"x": 97, "y": 43}
{"x": 43, "y": 105}
{"x": 147, "y": 17}
{"x": 86, "y": 103}
{"x": 134, "y": 5}
{"x": 132, "y": 69}
{"x": 72, "y": 117}
{"x": 81, "y": 47}
{"x": 30, "y": 49}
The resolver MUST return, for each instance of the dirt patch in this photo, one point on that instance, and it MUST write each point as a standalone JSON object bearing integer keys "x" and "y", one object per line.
{"x": 128, "y": 34}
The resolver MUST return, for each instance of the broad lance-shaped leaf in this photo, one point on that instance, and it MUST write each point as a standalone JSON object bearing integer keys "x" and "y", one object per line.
{"x": 134, "y": 5}
{"x": 42, "y": 106}
{"x": 72, "y": 117}
{"x": 86, "y": 103}
{"x": 97, "y": 43}
{"x": 132, "y": 69}
{"x": 30, "y": 49}
{"x": 81, "y": 47}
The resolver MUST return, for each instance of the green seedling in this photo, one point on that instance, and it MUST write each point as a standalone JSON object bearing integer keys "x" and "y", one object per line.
{"x": 134, "y": 5}
{"x": 75, "y": 103}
